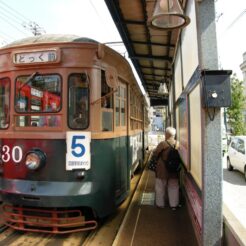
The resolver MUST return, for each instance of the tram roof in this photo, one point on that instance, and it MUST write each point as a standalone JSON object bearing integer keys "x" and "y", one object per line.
{"x": 56, "y": 38}
{"x": 51, "y": 38}
{"x": 152, "y": 51}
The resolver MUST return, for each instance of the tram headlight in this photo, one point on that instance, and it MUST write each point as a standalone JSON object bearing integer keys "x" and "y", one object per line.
{"x": 35, "y": 159}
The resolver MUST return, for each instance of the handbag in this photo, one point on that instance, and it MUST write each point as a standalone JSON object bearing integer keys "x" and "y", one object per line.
{"x": 152, "y": 163}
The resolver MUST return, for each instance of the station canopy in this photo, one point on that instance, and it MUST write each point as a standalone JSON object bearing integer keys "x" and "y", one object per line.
{"x": 152, "y": 50}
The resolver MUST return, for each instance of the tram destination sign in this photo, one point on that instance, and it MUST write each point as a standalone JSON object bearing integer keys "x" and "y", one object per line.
{"x": 37, "y": 56}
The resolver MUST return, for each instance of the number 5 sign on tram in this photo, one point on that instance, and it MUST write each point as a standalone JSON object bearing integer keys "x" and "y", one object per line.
{"x": 78, "y": 150}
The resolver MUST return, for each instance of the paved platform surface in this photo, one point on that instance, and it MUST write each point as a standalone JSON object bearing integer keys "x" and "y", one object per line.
{"x": 147, "y": 225}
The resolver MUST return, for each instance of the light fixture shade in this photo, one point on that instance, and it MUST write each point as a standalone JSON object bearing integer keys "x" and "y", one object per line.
{"x": 168, "y": 14}
{"x": 163, "y": 89}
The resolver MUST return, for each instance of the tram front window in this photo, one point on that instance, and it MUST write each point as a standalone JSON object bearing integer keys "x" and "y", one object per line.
{"x": 37, "y": 94}
{"x": 78, "y": 101}
{"x": 4, "y": 103}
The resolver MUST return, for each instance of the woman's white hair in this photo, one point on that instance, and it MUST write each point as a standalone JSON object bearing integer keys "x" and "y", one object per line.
{"x": 171, "y": 131}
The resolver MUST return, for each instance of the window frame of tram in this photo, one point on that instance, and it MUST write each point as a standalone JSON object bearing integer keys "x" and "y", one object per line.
{"x": 120, "y": 105}
{"x": 37, "y": 102}
{"x": 135, "y": 112}
{"x": 78, "y": 101}
{"x": 4, "y": 102}
{"x": 107, "y": 105}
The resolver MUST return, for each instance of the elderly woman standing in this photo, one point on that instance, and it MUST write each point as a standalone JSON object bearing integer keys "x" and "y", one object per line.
{"x": 163, "y": 177}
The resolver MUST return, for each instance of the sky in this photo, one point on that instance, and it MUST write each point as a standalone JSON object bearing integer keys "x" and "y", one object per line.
{"x": 231, "y": 34}
{"x": 82, "y": 17}
{"x": 91, "y": 18}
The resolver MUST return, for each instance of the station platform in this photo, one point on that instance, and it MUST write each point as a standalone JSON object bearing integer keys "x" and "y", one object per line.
{"x": 147, "y": 225}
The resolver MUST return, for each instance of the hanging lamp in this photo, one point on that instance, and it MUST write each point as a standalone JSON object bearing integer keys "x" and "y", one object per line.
{"x": 168, "y": 14}
{"x": 163, "y": 89}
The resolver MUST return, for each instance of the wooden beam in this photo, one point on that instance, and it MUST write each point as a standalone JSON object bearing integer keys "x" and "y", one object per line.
{"x": 171, "y": 46}
{"x": 156, "y": 75}
{"x": 134, "y": 22}
{"x": 156, "y": 68}
{"x": 151, "y": 57}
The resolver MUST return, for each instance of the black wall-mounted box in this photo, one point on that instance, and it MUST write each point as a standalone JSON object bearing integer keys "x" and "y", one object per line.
{"x": 216, "y": 87}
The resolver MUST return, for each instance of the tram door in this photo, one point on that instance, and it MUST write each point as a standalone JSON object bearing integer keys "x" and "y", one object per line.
{"x": 121, "y": 126}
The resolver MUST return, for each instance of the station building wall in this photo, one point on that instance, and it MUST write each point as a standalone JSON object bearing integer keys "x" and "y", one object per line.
{"x": 188, "y": 106}
{"x": 199, "y": 134}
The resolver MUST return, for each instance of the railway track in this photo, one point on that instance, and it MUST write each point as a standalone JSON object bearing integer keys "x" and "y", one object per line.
{"x": 104, "y": 235}
{"x": 16, "y": 238}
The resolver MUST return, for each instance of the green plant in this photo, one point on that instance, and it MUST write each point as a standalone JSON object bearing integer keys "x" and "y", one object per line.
{"x": 235, "y": 112}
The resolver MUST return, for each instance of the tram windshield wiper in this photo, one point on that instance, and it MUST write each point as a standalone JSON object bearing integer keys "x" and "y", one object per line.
{"x": 28, "y": 80}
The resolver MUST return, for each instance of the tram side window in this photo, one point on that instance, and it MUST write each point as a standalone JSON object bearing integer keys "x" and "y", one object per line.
{"x": 78, "y": 101}
{"x": 106, "y": 93}
{"x": 106, "y": 104}
{"x": 120, "y": 106}
{"x": 4, "y": 102}
{"x": 136, "y": 111}
{"x": 117, "y": 112}
{"x": 133, "y": 110}
{"x": 37, "y": 94}
{"x": 123, "y": 105}
{"x": 146, "y": 118}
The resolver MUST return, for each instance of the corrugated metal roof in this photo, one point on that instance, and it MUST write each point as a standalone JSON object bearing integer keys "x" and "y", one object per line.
{"x": 151, "y": 50}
